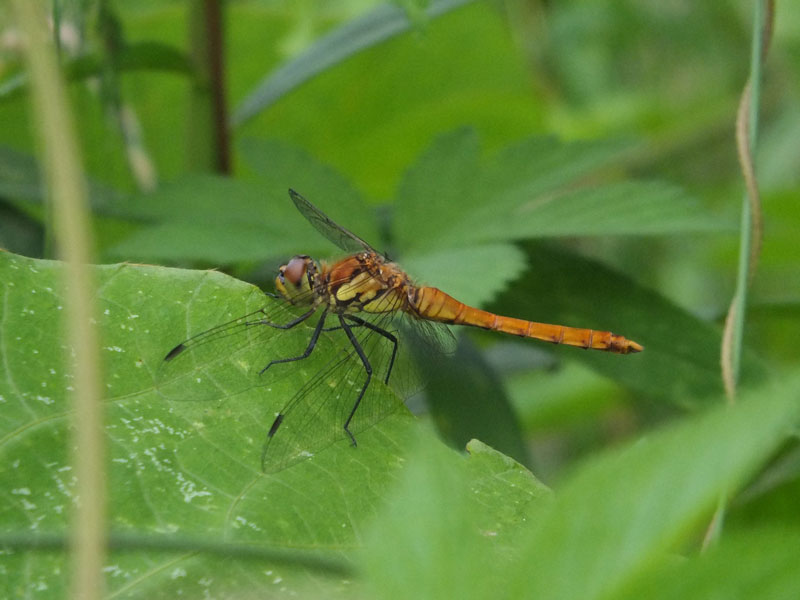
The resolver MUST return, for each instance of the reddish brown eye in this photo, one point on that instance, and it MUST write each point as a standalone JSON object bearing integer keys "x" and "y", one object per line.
{"x": 294, "y": 270}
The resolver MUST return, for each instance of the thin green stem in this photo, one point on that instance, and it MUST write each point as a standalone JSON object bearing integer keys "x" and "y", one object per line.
{"x": 56, "y": 14}
{"x": 749, "y": 234}
{"x": 68, "y": 197}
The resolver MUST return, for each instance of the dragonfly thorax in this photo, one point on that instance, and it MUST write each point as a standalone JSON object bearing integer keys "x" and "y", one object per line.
{"x": 365, "y": 282}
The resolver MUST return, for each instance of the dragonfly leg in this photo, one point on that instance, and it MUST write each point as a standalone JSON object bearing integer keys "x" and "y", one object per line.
{"x": 380, "y": 331}
{"x": 367, "y": 368}
{"x": 311, "y": 343}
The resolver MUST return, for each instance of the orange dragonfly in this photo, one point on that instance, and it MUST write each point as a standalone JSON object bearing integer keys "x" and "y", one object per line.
{"x": 369, "y": 299}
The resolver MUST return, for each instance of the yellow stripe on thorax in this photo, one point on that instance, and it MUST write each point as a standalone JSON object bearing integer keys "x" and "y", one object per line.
{"x": 363, "y": 283}
{"x": 387, "y": 301}
{"x": 372, "y": 294}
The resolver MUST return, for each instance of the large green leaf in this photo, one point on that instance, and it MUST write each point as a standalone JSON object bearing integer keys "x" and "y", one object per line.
{"x": 213, "y": 219}
{"x": 473, "y": 274}
{"x": 758, "y": 564}
{"x": 282, "y": 166}
{"x": 609, "y": 525}
{"x": 441, "y": 535}
{"x": 222, "y": 221}
{"x": 646, "y": 498}
{"x": 535, "y": 188}
{"x": 184, "y": 458}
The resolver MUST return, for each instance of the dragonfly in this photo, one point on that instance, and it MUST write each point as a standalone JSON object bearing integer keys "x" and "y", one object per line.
{"x": 370, "y": 303}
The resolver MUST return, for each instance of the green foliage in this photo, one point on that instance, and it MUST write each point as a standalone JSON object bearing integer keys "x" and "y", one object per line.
{"x": 682, "y": 358}
{"x": 358, "y": 35}
{"x": 611, "y": 524}
{"x": 566, "y": 163}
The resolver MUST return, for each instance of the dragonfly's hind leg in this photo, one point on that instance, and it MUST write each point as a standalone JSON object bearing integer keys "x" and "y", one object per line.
{"x": 367, "y": 367}
{"x": 359, "y": 322}
{"x": 311, "y": 343}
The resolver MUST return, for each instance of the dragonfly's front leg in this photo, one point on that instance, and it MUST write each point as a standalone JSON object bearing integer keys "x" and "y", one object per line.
{"x": 311, "y": 343}
{"x": 289, "y": 325}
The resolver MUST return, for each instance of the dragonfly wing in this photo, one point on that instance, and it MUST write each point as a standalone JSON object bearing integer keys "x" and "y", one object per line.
{"x": 227, "y": 360}
{"x": 315, "y": 416}
{"x": 344, "y": 239}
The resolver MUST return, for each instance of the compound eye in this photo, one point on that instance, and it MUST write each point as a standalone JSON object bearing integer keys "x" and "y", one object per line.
{"x": 294, "y": 271}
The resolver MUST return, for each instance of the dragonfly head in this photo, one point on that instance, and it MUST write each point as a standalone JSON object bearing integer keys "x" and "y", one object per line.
{"x": 295, "y": 280}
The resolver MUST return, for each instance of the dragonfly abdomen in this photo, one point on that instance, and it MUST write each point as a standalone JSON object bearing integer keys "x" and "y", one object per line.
{"x": 432, "y": 303}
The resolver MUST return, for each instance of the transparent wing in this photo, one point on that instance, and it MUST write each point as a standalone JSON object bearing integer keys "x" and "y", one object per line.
{"x": 228, "y": 359}
{"x": 344, "y": 239}
{"x": 315, "y": 417}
